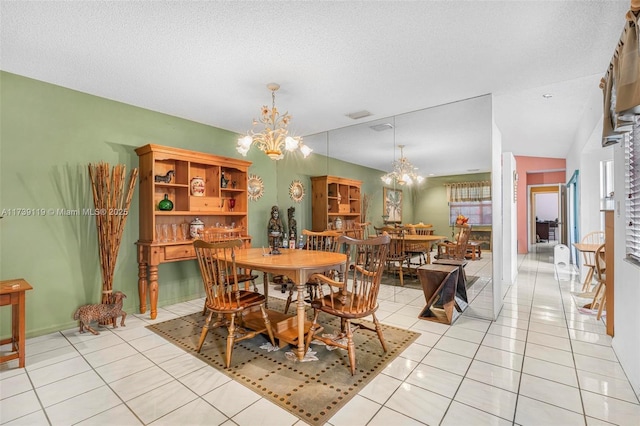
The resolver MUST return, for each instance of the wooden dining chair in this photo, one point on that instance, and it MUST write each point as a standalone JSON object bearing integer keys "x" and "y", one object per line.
{"x": 600, "y": 297}
{"x": 316, "y": 241}
{"x": 398, "y": 259}
{"x": 359, "y": 231}
{"x": 457, "y": 249}
{"x": 225, "y": 299}
{"x": 418, "y": 250}
{"x": 354, "y": 296}
{"x": 217, "y": 234}
{"x": 380, "y": 230}
{"x": 213, "y": 235}
{"x": 595, "y": 237}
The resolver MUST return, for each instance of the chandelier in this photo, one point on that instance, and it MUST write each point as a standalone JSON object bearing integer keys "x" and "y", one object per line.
{"x": 274, "y": 137}
{"x": 404, "y": 173}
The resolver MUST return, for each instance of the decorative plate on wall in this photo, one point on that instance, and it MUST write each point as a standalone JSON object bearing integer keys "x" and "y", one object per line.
{"x": 296, "y": 191}
{"x": 255, "y": 187}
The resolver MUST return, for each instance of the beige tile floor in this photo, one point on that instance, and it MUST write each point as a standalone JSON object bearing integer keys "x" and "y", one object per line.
{"x": 542, "y": 362}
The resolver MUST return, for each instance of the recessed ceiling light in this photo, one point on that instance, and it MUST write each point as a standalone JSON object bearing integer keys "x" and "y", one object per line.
{"x": 473, "y": 170}
{"x": 359, "y": 114}
{"x": 381, "y": 127}
{"x": 547, "y": 95}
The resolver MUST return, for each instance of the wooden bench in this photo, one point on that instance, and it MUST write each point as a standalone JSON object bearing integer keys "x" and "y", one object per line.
{"x": 474, "y": 250}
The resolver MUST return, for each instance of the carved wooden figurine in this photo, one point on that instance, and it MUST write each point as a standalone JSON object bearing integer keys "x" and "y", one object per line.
{"x": 166, "y": 178}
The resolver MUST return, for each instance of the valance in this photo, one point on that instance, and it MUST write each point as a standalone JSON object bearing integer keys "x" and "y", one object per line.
{"x": 621, "y": 83}
{"x": 468, "y": 191}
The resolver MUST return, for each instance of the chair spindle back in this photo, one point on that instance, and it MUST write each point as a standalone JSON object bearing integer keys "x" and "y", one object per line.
{"x": 218, "y": 268}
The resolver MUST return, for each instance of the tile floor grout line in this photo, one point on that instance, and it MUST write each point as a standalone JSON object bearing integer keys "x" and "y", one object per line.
{"x": 524, "y": 355}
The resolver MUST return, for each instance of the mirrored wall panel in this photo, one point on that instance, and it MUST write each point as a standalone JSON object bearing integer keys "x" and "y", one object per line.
{"x": 447, "y": 144}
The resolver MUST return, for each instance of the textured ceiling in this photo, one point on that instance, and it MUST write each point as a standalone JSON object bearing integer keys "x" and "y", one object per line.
{"x": 210, "y": 61}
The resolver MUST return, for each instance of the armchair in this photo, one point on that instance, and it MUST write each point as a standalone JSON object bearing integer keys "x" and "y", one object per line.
{"x": 318, "y": 241}
{"x": 354, "y": 296}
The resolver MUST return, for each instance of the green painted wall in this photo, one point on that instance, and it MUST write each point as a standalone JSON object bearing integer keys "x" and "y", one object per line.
{"x": 430, "y": 203}
{"x": 48, "y": 136}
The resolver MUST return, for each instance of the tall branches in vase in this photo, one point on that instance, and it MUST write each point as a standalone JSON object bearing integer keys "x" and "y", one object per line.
{"x": 366, "y": 202}
{"x": 111, "y": 200}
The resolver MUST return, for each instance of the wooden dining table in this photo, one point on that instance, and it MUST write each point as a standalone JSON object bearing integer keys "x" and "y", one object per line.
{"x": 427, "y": 240}
{"x": 297, "y": 265}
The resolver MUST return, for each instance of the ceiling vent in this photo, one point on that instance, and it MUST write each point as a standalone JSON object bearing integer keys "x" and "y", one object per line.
{"x": 382, "y": 126}
{"x": 359, "y": 114}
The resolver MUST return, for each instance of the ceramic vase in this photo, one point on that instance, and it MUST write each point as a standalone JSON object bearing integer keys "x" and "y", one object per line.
{"x": 165, "y": 204}
{"x": 195, "y": 228}
{"x": 197, "y": 186}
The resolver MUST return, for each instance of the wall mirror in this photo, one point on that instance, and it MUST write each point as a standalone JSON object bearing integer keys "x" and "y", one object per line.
{"x": 296, "y": 191}
{"x": 451, "y": 142}
{"x": 255, "y": 187}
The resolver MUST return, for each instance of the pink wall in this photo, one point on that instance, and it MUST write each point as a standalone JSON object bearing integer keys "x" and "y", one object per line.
{"x": 546, "y": 178}
{"x": 531, "y": 172}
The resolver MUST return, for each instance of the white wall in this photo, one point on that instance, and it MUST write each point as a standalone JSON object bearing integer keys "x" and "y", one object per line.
{"x": 585, "y": 154}
{"x": 626, "y": 340}
{"x": 547, "y": 206}
{"x": 509, "y": 221}
{"x": 498, "y": 252}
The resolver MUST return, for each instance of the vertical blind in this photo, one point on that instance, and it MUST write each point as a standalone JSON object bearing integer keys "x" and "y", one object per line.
{"x": 632, "y": 190}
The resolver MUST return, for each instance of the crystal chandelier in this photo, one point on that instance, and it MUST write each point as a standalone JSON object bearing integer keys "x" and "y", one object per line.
{"x": 404, "y": 173}
{"x": 274, "y": 137}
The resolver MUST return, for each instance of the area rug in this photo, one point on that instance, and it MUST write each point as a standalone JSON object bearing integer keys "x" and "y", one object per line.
{"x": 411, "y": 281}
{"x": 314, "y": 390}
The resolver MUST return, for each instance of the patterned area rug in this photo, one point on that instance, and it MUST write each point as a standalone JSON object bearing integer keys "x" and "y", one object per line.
{"x": 311, "y": 390}
{"x": 411, "y": 281}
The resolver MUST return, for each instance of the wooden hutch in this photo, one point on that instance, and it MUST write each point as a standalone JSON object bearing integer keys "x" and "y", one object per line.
{"x": 213, "y": 207}
{"x": 332, "y": 198}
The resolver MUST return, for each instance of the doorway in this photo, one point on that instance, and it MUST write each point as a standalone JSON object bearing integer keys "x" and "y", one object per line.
{"x": 573, "y": 198}
{"x": 545, "y": 208}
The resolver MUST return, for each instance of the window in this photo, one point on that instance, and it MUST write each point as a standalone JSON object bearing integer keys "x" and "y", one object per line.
{"x": 606, "y": 184}
{"x": 632, "y": 190}
{"x": 470, "y": 199}
{"x": 478, "y": 212}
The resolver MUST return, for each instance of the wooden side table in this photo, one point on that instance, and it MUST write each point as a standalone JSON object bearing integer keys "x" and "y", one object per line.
{"x": 12, "y": 292}
{"x": 440, "y": 287}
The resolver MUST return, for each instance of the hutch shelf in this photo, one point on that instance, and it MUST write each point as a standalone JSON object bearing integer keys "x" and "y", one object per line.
{"x": 219, "y": 200}
{"x": 334, "y": 198}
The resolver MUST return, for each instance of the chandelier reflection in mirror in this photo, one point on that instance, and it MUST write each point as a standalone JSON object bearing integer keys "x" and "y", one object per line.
{"x": 274, "y": 137}
{"x": 404, "y": 173}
